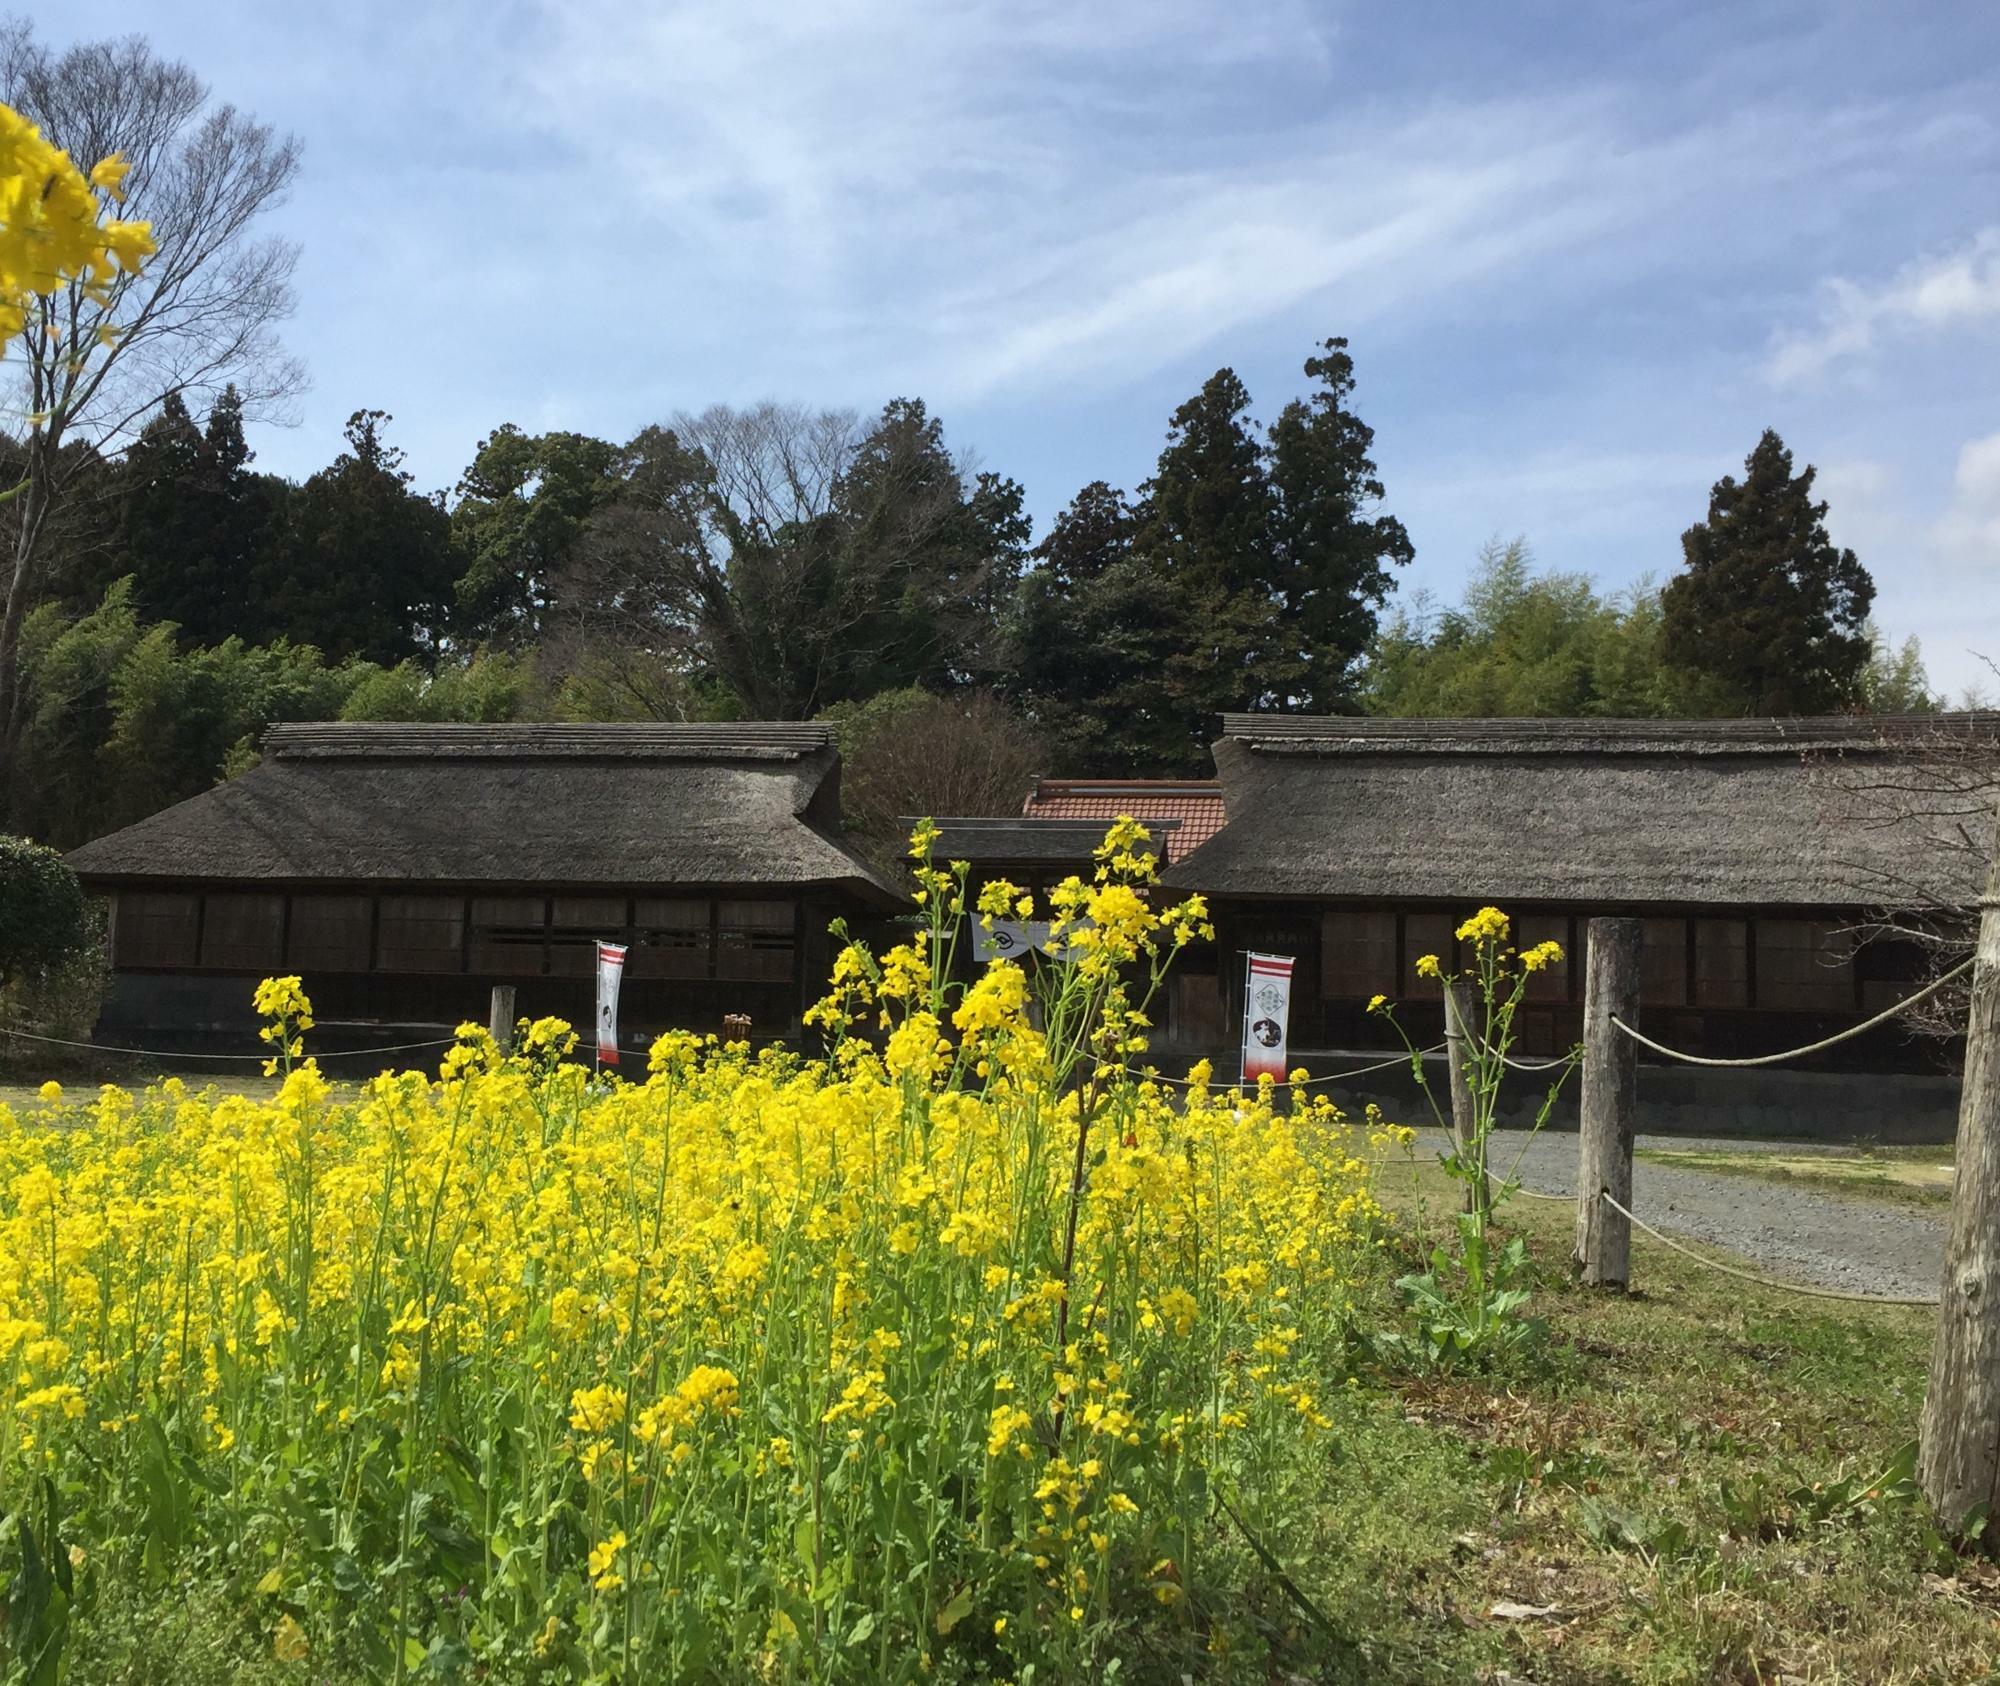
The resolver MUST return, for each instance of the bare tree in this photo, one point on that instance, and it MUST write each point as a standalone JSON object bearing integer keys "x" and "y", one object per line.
{"x": 908, "y": 754}
{"x": 796, "y": 557}
{"x": 1937, "y": 792}
{"x": 202, "y": 314}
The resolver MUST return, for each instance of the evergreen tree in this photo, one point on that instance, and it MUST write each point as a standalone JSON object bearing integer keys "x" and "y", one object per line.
{"x": 1769, "y": 610}
{"x": 1251, "y": 577}
{"x": 366, "y": 566}
{"x": 1193, "y": 602}
{"x": 797, "y": 562}
{"x": 1066, "y": 652}
{"x": 196, "y": 522}
{"x": 1333, "y": 553}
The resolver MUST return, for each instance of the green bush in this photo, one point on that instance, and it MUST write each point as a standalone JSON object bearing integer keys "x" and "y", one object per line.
{"x": 52, "y": 965}
{"x": 44, "y": 922}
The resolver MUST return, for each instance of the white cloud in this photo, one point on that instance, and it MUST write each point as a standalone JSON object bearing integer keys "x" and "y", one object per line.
{"x": 1934, "y": 553}
{"x": 1969, "y": 531}
{"x": 1932, "y": 294}
{"x": 1011, "y": 197}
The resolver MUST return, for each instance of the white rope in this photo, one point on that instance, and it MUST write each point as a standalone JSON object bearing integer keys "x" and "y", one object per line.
{"x": 1752, "y": 1276}
{"x": 164, "y": 1054}
{"x": 1332, "y": 1077}
{"x": 1882, "y": 1017}
{"x": 1569, "y": 1059}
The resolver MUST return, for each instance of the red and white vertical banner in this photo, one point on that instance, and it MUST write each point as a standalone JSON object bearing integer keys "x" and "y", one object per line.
{"x": 1267, "y": 1006}
{"x": 610, "y": 969}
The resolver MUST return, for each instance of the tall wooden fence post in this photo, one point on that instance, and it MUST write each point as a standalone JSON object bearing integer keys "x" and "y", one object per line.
{"x": 1959, "y": 1462}
{"x": 1610, "y": 1102}
{"x": 500, "y": 1017}
{"x": 1457, "y": 1028}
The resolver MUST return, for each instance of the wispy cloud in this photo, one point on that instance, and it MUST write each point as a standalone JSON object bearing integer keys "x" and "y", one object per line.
{"x": 1934, "y": 293}
{"x": 986, "y": 199}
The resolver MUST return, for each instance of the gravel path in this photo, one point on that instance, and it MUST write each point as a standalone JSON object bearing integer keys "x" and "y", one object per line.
{"x": 1793, "y": 1232}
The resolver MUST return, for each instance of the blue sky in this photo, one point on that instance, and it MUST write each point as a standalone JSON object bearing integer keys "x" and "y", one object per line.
{"x": 1583, "y": 253}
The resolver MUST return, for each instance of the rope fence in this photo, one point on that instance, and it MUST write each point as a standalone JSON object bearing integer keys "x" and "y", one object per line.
{"x": 1825, "y": 1042}
{"x": 168, "y": 1054}
{"x": 1753, "y": 1276}
{"x": 1310, "y": 1082}
{"x": 1728, "y": 1269}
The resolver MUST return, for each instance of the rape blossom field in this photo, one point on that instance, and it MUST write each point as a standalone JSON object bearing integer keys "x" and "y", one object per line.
{"x": 957, "y": 1353}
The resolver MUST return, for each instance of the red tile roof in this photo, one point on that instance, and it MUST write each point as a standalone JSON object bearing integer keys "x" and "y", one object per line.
{"x": 1196, "y": 803}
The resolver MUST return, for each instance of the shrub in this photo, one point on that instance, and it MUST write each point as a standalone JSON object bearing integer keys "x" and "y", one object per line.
{"x": 44, "y": 923}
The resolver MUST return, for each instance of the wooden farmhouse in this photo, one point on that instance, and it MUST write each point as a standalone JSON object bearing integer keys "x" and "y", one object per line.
{"x": 1763, "y": 857}
{"x": 403, "y": 870}
{"x": 1760, "y": 854}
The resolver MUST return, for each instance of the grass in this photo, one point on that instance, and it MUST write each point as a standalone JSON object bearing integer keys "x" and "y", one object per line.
{"x": 1897, "y": 1176}
{"x": 22, "y": 1096}
{"x": 1649, "y": 1484}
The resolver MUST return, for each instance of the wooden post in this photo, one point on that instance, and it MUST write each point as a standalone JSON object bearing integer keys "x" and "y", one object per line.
{"x": 500, "y": 1017}
{"x": 1959, "y": 1461}
{"x": 1458, "y": 1023}
{"x": 1610, "y": 1102}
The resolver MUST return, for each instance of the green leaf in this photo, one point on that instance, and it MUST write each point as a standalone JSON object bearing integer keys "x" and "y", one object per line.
{"x": 956, "y": 1611}
{"x": 862, "y": 1628}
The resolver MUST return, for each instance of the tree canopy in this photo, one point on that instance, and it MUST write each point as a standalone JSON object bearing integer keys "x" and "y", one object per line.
{"x": 1551, "y": 644}
{"x": 1769, "y": 611}
{"x": 1250, "y": 573}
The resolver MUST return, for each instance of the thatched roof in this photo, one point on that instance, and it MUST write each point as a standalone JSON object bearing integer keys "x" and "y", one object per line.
{"x": 750, "y": 805}
{"x": 1738, "y": 813}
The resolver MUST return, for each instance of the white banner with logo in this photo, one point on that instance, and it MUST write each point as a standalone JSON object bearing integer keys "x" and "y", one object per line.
{"x": 610, "y": 969}
{"x": 1008, "y": 940}
{"x": 1267, "y": 1007}
{"x": 1011, "y": 938}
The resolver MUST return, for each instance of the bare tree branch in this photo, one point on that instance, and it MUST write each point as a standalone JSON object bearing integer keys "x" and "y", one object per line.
{"x": 203, "y": 313}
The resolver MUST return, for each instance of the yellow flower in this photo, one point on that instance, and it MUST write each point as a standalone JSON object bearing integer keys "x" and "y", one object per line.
{"x": 595, "y": 1409}
{"x": 1488, "y": 925}
{"x": 602, "y": 1556}
{"x": 52, "y": 229}
{"x": 108, "y": 175}
{"x": 288, "y": 1642}
{"x": 1377, "y": 1002}
{"x": 1427, "y": 966}
{"x": 50, "y": 1091}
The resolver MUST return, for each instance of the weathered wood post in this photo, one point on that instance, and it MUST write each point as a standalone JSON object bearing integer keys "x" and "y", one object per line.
{"x": 1610, "y": 1102}
{"x": 1458, "y": 1022}
{"x": 500, "y": 1016}
{"x": 1959, "y": 1459}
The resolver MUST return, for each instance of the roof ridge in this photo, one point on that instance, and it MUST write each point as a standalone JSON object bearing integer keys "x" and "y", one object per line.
{"x": 456, "y": 740}
{"x": 1531, "y": 732}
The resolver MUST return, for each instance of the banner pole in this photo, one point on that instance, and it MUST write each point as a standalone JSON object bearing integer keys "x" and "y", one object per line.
{"x": 1243, "y": 1035}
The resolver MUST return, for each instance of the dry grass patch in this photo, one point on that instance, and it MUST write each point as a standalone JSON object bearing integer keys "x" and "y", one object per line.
{"x": 1903, "y": 1176}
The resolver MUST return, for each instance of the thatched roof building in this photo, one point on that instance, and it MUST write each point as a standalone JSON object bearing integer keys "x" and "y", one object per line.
{"x": 404, "y": 870}
{"x": 1614, "y": 813}
{"x": 1760, "y": 854}
{"x": 753, "y": 804}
